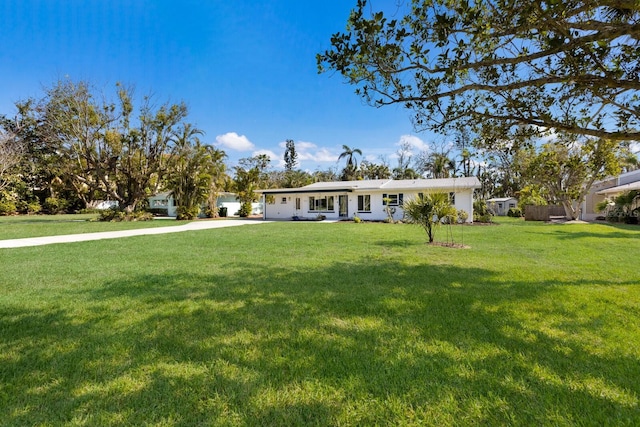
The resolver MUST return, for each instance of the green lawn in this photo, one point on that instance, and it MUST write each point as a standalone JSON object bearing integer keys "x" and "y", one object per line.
{"x": 17, "y": 227}
{"x": 325, "y": 324}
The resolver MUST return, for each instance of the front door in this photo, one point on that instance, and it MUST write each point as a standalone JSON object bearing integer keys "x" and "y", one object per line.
{"x": 343, "y": 208}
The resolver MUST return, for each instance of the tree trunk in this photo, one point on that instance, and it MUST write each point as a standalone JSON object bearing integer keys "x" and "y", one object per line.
{"x": 570, "y": 212}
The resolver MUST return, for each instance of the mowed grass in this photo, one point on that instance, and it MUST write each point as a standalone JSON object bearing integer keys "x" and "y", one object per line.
{"x": 23, "y": 226}
{"x": 325, "y": 324}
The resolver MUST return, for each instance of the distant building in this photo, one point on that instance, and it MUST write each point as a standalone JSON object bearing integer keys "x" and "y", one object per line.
{"x": 608, "y": 189}
{"x": 500, "y": 205}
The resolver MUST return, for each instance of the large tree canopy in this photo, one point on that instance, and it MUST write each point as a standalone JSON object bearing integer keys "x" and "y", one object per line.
{"x": 496, "y": 65}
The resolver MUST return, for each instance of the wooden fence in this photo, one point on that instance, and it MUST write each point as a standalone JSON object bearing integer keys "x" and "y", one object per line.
{"x": 542, "y": 213}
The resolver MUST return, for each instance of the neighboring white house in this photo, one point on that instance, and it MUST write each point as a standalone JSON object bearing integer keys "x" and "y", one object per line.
{"x": 225, "y": 200}
{"x": 608, "y": 189}
{"x": 106, "y": 204}
{"x": 501, "y": 205}
{"x": 365, "y": 199}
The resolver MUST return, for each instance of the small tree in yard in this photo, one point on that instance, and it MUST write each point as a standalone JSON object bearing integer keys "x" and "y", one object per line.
{"x": 566, "y": 169}
{"x": 192, "y": 168}
{"x": 249, "y": 176}
{"x": 428, "y": 210}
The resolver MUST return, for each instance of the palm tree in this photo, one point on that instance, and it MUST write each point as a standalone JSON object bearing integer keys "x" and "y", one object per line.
{"x": 349, "y": 172}
{"x": 440, "y": 165}
{"x": 428, "y": 211}
{"x": 349, "y": 154}
{"x": 219, "y": 178}
{"x": 192, "y": 170}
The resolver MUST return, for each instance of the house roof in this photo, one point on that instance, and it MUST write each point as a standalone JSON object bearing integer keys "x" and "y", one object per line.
{"x": 501, "y": 199}
{"x": 623, "y": 178}
{"x": 621, "y": 188}
{"x": 381, "y": 184}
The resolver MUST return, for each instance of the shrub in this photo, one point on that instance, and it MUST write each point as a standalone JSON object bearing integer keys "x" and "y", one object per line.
{"x": 463, "y": 216}
{"x": 357, "y": 219}
{"x": 34, "y": 207}
{"x": 245, "y": 210}
{"x": 7, "y": 207}
{"x": 158, "y": 211}
{"x": 90, "y": 211}
{"x": 187, "y": 213}
{"x": 515, "y": 212}
{"x": 481, "y": 212}
{"x": 54, "y": 205}
{"x": 116, "y": 215}
{"x": 212, "y": 212}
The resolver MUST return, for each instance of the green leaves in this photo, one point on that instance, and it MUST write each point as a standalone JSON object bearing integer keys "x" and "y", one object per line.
{"x": 428, "y": 211}
{"x": 450, "y": 61}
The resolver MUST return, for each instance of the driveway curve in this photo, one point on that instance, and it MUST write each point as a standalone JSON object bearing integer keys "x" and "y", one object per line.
{"x": 67, "y": 238}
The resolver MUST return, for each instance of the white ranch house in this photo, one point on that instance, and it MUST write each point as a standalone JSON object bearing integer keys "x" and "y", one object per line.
{"x": 365, "y": 199}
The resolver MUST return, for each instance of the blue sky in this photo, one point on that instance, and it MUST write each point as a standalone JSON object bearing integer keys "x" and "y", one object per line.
{"x": 246, "y": 69}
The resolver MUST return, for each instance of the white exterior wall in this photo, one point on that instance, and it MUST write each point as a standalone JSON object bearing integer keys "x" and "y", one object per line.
{"x": 280, "y": 210}
{"x": 285, "y": 209}
{"x": 464, "y": 201}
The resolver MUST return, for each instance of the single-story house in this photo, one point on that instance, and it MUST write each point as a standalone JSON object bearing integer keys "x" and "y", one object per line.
{"x": 225, "y": 200}
{"x": 608, "y": 189}
{"x": 367, "y": 199}
{"x": 501, "y": 205}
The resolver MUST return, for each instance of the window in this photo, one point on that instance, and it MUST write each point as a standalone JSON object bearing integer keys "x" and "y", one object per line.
{"x": 284, "y": 201}
{"x": 298, "y": 203}
{"x": 364, "y": 203}
{"x": 321, "y": 204}
{"x": 512, "y": 205}
{"x": 394, "y": 199}
{"x": 160, "y": 203}
{"x": 452, "y": 198}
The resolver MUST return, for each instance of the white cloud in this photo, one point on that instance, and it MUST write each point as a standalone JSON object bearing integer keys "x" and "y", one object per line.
{"x": 324, "y": 155}
{"x": 234, "y": 141}
{"x": 302, "y": 145}
{"x": 414, "y": 142}
{"x": 308, "y": 151}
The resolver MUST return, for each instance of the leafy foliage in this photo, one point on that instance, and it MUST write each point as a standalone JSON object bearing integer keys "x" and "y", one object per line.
{"x": 249, "y": 176}
{"x": 193, "y": 169}
{"x": 481, "y": 211}
{"x": 515, "y": 212}
{"x": 566, "y": 170}
{"x": 117, "y": 215}
{"x": 7, "y": 207}
{"x": 428, "y": 211}
{"x": 495, "y": 65}
{"x": 623, "y": 208}
{"x": 105, "y": 154}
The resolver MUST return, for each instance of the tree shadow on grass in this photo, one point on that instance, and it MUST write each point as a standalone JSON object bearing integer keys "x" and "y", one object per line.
{"x": 349, "y": 343}
{"x": 576, "y": 235}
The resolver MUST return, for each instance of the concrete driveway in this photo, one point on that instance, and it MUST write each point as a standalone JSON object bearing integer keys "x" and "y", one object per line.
{"x": 192, "y": 226}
